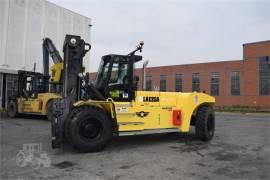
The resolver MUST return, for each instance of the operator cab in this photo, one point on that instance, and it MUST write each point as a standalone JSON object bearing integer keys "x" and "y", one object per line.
{"x": 115, "y": 78}
{"x": 32, "y": 83}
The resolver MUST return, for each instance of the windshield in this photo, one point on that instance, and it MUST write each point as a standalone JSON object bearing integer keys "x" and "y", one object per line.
{"x": 42, "y": 85}
{"x": 102, "y": 72}
{"x": 119, "y": 74}
{"x": 38, "y": 84}
{"x": 116, "y": 66}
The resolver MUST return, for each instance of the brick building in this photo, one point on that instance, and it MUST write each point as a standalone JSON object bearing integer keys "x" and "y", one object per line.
{"x": 244, "y": 82}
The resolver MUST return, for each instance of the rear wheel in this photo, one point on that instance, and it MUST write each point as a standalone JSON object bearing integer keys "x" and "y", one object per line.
{"x": 89, "y": 129}
{"x": 205, "y": 123}
{"x": 12, "y": 109}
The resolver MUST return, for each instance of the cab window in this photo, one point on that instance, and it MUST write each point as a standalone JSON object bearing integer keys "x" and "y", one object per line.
{"x": 118, "y": 74}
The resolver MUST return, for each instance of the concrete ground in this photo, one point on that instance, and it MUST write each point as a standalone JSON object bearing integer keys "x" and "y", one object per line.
{"x": 239, "y": 150}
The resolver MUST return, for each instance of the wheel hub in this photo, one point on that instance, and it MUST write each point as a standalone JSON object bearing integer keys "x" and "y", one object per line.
{"x": 89, "y": 129}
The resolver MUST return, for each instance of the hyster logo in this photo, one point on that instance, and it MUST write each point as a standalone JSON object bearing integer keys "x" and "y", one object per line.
{"x": 142, "y": 114}
{"x": 150, "y": 99}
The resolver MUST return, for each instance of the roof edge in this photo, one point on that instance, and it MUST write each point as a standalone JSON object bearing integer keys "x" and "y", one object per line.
{"x": 258, "y": 42}
{"x": 200, "y": 63}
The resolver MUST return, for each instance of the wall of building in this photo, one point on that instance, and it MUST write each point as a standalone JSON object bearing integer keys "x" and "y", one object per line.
{"x": 24, "y": 23}
{"x": 251, "y": 53}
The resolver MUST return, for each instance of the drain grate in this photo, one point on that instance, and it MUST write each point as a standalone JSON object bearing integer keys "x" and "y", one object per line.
{"x": 64, "y": 164}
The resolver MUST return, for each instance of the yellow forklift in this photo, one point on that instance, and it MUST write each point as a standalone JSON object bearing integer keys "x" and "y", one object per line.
{"x": 89, "y": 115}
{"x": 36, "y": 91}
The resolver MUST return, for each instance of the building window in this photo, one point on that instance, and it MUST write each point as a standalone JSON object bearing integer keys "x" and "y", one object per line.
{"x": 178, "y": 83}
{"x": 148, "y": 86}
{"x": 215, "y": 84}
{"x": 264, "y": 76}
{"x": 235, "y": 83}
{"x": 162, "y": 86}
{"x": 196, "y": 82}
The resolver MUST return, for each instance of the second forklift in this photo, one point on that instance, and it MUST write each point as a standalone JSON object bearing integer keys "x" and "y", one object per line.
{"x": 36, "y": 91}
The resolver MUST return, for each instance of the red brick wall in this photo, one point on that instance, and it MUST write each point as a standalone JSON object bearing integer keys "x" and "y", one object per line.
{"x": 256, "y": 49}
{"x": 205, "y": 70}
{"x": 249, "y": 77}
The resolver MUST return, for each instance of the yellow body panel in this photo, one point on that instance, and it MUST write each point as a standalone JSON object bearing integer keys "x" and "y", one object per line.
{"x": 56, "y": 70}
{"x": 154, "y": 110}
{"x": 36, "y": 105}
{"x": 108, "y": 106}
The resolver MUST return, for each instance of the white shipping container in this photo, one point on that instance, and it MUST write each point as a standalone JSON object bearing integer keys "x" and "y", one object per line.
{"x": 23, "y": 25}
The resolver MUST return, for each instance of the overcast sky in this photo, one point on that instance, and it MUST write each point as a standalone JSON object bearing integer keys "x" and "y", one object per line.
{"x": 174, "y": 31}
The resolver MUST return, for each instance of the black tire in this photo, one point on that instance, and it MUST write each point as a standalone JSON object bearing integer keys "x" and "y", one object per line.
{"x": 89, "y": 129}
{"x": 49, "y": 109}
{"x": 12, "y": 109}
{"x": 205, "y": 123}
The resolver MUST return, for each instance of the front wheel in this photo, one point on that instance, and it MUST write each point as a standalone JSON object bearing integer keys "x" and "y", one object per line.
{"x": 205, "y": 123}
{"x": 89, "y": 129}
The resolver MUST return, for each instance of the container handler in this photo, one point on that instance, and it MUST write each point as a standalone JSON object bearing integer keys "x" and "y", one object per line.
{"x": 114, "y": 107}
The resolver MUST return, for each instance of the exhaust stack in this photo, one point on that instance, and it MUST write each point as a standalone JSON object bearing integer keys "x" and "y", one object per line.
{"x": 144, "y": 74}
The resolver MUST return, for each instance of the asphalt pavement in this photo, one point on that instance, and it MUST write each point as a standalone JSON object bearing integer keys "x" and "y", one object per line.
{"x": 239, "y": 150}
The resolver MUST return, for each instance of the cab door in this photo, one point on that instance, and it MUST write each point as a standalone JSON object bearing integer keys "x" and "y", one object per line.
{"x": 30, "y": 103}
{"x": 122, "y": 88}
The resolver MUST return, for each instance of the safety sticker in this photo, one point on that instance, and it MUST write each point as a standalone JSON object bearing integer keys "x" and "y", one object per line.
{"x": 121, "y": 109}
